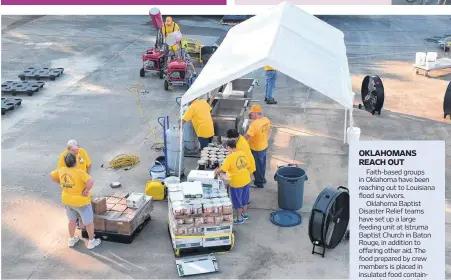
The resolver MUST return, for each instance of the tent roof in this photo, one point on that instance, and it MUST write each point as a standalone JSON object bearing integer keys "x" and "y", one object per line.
{"x": 290, "y": 40}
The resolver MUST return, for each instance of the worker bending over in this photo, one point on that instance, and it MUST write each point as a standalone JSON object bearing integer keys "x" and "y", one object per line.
{"x": 83, "y": 160}
{"x": 238, "y": 170}
{"x": 199, "y": 112}
{"x": 257, "y": 135}
{"x": 242, "y": 145}
{"x": 76, "y": 185}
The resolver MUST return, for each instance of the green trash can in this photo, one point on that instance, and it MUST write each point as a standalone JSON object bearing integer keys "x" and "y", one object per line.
{"x": 290, "y": 187}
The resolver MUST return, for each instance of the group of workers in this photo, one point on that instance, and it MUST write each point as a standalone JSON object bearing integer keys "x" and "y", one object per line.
{"x": 72, "y": 174}
{"x": 247, "y": 153}
{"x": 247, "y": 158}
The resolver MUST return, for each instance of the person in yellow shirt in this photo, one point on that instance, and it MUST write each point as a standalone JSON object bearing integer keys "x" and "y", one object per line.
{"x": 242, "y": 145}
{"x": 271, "y": 77}
{"x": 238, "y": 170}
{"x": 199, "y": 112}
{"x": 257, "y": 135}
{"x": 76, "y": 185}
{"x": 169, "y": 27}
{"x": 83, "y": 160}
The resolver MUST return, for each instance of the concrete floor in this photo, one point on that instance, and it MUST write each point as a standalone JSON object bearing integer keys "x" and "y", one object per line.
{"x": 92, "y": 103}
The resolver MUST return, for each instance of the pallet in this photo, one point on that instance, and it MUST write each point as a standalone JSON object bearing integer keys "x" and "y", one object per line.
{"x": 117, "y": 237}
{"x": 15, "y": 87}
{"x": 9, "y": 104}
{"x": 196, "y": 251}
{"x": 41, "y": 73}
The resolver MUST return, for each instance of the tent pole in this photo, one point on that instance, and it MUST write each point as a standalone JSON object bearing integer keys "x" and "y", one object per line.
{"x": 346, "y": 122}
{"x": 351, "y": 119}
{"x": 181, "y": 141}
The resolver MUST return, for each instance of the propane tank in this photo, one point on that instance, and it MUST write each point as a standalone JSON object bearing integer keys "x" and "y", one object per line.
{"x": 173, "y": 150}
{"x": 190, "y": 142}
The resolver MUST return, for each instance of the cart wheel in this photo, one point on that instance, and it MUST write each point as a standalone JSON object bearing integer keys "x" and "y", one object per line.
{"x": 417, "y": 71}
{"x": 142, "y": 73}
{"x": 166, "y": 85}
{"x": 161, "y": 74}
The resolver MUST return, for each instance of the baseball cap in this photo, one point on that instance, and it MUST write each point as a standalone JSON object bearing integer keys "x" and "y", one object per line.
{"x": 255, "y": 109}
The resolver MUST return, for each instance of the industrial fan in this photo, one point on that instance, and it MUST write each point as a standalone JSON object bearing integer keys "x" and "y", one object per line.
{"x": 329, "y": 219}
{"x": 447, "y": 102}
{"x": 372, "y": 94}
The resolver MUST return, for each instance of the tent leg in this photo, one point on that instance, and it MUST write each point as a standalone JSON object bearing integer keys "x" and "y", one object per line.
{"x": 346, "y": 122}
{"x": 181, "y": 142}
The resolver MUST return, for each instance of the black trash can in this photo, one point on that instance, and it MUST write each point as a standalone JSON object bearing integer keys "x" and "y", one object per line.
{"x": 290, "y": 187}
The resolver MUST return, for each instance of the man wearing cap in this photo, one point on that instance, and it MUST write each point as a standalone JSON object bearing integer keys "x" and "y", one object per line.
{"x": 199, "y": 112}
{"x": 271, "y": 77}
{"x": 168, "y": 28}
{"x": 83, "y": 160}
{"x": 257, "y": 135}
{"x": 76, "y": 185}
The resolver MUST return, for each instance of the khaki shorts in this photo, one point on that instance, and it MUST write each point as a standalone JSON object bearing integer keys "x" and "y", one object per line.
{"x": 84, "y": 212}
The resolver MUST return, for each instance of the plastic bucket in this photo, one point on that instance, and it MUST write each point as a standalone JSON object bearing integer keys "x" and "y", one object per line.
{"x": 158, "y": 171}
{"x": 420, "y": 58}
{"x": 290, "y": 187}
{"x": 353, "y": 135}
{"x": 431, "y": 56}
{"x": 171, "y": 180}
{"x": 156, "y": 18}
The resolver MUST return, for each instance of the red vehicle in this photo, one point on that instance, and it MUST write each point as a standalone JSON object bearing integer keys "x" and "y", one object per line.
{"x": 177, "y": 73}
{"x": 154, "y": 61}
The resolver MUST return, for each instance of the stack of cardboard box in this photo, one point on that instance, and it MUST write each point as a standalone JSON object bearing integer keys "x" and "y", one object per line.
{"x": 112, "y": 215}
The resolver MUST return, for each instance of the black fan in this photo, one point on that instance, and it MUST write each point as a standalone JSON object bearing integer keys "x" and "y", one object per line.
{"x": 447, "y": 102}
{"x": 372, "y": 94}
{"x": 329, "y": 219}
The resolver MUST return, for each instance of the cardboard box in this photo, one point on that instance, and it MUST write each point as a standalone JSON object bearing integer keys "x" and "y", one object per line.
{"x": 205, "y": 177}
{"x": 217, "y": 241}
{"x": 113, "y": 200}
{"x": 119, "y": 208}
{"x": 217, "y": 230}
{"x": 99, "y": 205}
{"x": 124, "y": 224}
{"x": 120, "y": 195}
{"x": 111, "y": 220}
{"x": 130, "y": 211}
{"x": 136, "y": 200}
{"x": 99, "y": 223}
{"x": 109, "y": 206}
{"x": 123, "y": 201}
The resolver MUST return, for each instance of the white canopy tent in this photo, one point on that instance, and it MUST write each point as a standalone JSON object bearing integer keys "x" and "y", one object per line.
{"x": 288, "y": 39}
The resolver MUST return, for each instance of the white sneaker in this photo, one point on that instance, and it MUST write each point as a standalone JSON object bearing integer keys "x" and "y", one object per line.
{"x": 73, "y": 241}
{"x": 93, "y": 243}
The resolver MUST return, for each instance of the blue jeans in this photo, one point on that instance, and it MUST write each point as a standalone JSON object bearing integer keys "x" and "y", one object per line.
{"x": 204, "y": 141}
{"x": 271, "y": 77}
{"x": 260, "y": 164}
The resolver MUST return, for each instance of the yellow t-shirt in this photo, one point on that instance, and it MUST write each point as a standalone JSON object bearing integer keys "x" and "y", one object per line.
{"x": 258, "y": 132}
{"x": 83, "y": 160}
{"x": 242, "y": 145}
{"x": 166, "y": 30}
{"x": 199, "y": 113}
{"x": 269, "y": 68}
{"x": 72, "y": 182}
{"x": 237, "y": 168}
